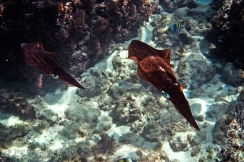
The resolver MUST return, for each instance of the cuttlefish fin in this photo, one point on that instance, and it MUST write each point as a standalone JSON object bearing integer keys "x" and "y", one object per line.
{"x": 133, "y": 58}
{"x": 141, "y": 74}
{"x": 165, "y": 54}
{"x": 51, "y": 55}
{"x": 38, "y": 45}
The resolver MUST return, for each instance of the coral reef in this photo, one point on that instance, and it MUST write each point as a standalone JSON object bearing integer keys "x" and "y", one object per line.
{"x": 227, "y": 34}
{"x": 178, "y": 145}
{"x": 215, "y": 109}
{"x": 104, "y": 123}
{"x": 16, "y": 103}
{"x": 9, "y": 134}
{"x": 118, "y": 115}
{"x": 126, "y": 109}
{"x": 152, "y": 124}
{"x": 192, "y": 30}
{"x": 232, "y": 148}
{"x": 74, "y": 157}
{"x": 88, "y": 112}
{"x": 91, "y": 82}
{"x": 201, "y": 73}
{"x": 198, "y": 111}
{"x": 228, "y": 71}
{"x": 155, "y": 157}
{"x": 105, "y": 145}
{"x": 4, "y": 159}
{"x": 79, "y": 32}
{"x": 172, "y": 6}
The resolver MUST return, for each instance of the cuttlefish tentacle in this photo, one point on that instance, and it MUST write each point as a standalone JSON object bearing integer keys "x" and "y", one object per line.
{"x": 36, "y": 56}
{"x": 154, "y": 67}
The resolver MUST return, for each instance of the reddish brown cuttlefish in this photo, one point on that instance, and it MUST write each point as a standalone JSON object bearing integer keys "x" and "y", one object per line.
{"x": 154, "y": 67}
{"x": 46, "y": 62}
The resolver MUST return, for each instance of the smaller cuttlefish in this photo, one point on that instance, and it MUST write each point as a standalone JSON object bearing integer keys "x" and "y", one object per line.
{"x": 46, "y": 62}
{"x": 154, "y": 67}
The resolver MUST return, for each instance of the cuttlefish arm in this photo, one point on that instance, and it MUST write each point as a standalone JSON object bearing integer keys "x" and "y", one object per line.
{"x": 36, "y": 56}
{"x": 60, "y": 74}
{"x": 154, "y": 67}
{"x": 175, "y": 94}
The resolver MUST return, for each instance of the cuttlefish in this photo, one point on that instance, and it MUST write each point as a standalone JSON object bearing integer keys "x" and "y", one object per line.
{"x": 36, "y": 56}
{"x": 154, "y": 67}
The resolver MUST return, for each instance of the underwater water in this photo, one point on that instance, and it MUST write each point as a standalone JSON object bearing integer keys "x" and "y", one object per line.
{"x": 126, "y": 110}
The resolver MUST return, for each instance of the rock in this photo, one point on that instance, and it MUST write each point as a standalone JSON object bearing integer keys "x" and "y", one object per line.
{"x": 204, "y": 48}
{"x": 178, "y": 144}
{"x": 104, "y": 123}
{"x": 52, "y": 98}
{"x": 198, "y": 111}
{"x": 230, "y": 74}
{"x": 181, "y": 13}
{"x": 88, "y": 112}
{"x": 215, "y": 110}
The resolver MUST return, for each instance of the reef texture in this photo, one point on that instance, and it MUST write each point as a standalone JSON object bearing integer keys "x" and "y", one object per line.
{"x": 118, "y": 115}
{"x": 16, "y": 103}
{"x": 105, "y": 145}
{"x": 227, "y": 34}
{"x": 172, "y": 6}
{"x": 79, "y": 32}
{"x": 231, "y": 129}
{"x": 193, "y": 27}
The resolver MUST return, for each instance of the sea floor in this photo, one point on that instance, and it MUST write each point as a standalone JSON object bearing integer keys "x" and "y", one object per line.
{"x": 120, "y": 116}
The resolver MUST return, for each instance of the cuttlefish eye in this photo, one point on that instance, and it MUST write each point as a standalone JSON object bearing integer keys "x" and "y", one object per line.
{"x": 55, "y": 76}
{"x": 179, "y": 86}
{"x": 166, "y": 95}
